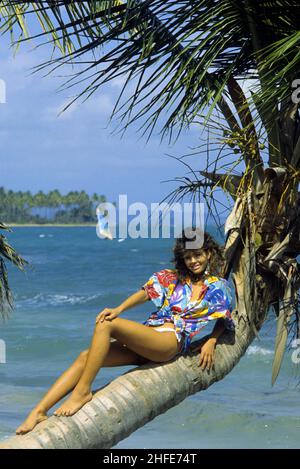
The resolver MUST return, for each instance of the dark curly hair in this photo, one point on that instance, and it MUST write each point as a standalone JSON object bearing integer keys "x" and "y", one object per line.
{"x": 209, "y": 245}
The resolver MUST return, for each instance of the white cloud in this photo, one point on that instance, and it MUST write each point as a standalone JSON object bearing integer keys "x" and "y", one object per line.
{"x": 17, "y": 70}
{"x": 102, "y": 105}
{"x": 118, "y": 82}
{"x": 55, "y": 112}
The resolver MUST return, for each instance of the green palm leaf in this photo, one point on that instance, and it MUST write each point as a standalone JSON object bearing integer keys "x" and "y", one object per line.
{"x": 181, "y": 56}
{"x": 7, "y": 253}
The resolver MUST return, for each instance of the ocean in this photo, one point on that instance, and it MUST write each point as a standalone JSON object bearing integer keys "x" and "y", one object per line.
{"x": 72, "y": 277}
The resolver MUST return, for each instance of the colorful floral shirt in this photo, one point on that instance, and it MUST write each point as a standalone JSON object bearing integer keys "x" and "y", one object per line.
{"x": 173, "y": 301}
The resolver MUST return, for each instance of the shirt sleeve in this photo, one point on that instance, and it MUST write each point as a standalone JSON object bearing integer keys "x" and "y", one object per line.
{"x": 220, "y": 300}
{"x": 155, "y": 291}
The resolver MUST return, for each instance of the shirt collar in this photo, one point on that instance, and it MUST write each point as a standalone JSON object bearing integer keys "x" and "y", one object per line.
{"x": 188, "y": 281}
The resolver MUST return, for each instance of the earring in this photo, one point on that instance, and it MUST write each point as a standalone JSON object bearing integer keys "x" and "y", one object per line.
{"x": 207, "y": 269}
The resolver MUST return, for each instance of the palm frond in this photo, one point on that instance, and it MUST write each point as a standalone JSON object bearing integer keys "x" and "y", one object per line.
{"x": 180, "y": 53}
{"x": 7, "y": 253}
{"x": 180, "y": 58}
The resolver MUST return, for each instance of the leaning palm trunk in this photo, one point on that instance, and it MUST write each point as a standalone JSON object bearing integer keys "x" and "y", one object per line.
{"x": 262, "y": 242}
{"x": 138, "y": 396}
{"x": 132, "y": 400}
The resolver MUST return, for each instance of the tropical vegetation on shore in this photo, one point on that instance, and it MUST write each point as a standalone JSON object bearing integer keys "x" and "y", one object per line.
{"x": 42, "y": 208}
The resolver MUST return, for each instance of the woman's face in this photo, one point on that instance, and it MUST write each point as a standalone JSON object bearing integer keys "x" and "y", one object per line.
{"x": 196, "y": 260}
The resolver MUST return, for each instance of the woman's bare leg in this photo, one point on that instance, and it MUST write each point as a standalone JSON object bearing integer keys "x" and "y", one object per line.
{"x": 118, "y": 355}
{"x": 143, "y": 340}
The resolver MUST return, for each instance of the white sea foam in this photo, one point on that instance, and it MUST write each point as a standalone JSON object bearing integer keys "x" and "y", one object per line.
{"x": 55, "y": 300}
{"x": 35, "y": 258}
{"x": 256, "y": 350}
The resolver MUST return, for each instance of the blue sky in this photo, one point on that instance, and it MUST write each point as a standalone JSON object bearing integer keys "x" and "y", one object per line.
{"x": 76, "y": 150}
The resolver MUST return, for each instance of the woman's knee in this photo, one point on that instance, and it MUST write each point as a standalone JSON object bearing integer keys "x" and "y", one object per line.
{"x": 82, "y": 357}
{"x": 103, "y": 326}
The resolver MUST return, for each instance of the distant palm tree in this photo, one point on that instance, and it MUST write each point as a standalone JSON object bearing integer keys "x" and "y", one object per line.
{"x": 185, "y": 62}
{"x": 98, "y": 199}
{"x": 55, "y": 199}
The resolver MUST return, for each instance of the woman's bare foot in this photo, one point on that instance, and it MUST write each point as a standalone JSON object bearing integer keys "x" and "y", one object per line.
{"x": 36, "y": 416}
{"x": 73, "y": 403}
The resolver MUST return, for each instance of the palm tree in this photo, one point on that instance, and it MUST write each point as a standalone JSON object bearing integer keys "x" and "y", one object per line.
{"x": 187, "y": 61}
{"x": 97, "y": 199}
{"x": 7, "y": 253}
{"x": 28, "y": 200}
{"x": 55, "y": 198}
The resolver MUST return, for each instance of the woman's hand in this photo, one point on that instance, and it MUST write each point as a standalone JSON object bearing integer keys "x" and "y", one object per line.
{"x": 207, "y": 353}
{"x": 109, "y": 314}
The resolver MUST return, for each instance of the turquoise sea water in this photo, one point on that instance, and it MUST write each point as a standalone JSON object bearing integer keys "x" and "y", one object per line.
{"x": 74, "y": 275}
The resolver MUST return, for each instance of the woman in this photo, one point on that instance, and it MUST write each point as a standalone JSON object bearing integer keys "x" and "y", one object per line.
{"x": 186, "y": 297}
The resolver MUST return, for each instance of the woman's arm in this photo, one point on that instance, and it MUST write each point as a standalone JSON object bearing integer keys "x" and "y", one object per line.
{"x": 218, "y": 330}
{"x": 110, "y": 313}
{"x": 208, "y": 348}
{"x": 137, "y": 298}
